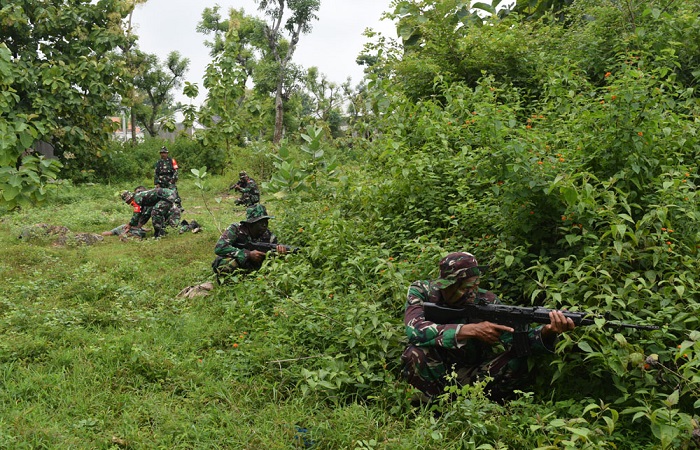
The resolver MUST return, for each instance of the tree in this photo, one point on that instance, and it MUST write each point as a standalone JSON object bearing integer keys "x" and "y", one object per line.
{"x": 325, "y": 95}
{"x": 302, "y": 12}
{"x": 156, "y": 83}
{"x": 57, "y": 85}
{"x": 131, "y": 56}
{"x": 233, "y": 48}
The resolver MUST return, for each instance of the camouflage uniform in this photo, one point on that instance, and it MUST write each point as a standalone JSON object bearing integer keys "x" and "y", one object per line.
{"x": 433, "y": 351}
{"x": 159, "y": 204}
{"x": 250, "y": 194}
{"x": 166, "y": 175}
{"x": 134, "y": 232}
{"x": 230, "y": 248}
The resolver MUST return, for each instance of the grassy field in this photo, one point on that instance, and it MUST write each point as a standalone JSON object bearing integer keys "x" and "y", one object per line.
{"x": 97, "y": 350}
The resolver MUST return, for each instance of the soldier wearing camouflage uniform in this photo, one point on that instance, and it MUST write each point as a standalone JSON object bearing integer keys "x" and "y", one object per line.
{"x": 166, "y": 174}
{"x": 231, "y": 252}
{"x": 435, "y": 350}
{"x": 250, "y": 194}
{"x": 122, "y": 231}
{"x": 157, "y": 204}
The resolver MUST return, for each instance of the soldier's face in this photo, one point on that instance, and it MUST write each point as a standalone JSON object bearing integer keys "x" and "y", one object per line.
{"x": 163, "y": 155}
{"x": 462, "y": 290}
{"x": 258, "y": 228}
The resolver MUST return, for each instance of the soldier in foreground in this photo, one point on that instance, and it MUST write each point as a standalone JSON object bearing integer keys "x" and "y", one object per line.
{"x": 166, "y": 174}
{"x": 157, "y": 204}
{"x": 235, "y": 249}
{"x": 250, "y": 194}
{"x": 436, "y": 349}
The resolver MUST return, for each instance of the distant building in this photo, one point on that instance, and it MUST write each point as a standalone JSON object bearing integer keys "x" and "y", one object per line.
{"x": 179, "y": 130}
{"x": 123, "y": 133}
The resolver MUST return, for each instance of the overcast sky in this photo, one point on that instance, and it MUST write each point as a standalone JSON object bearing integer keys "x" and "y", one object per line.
{"x": 332, "y": 45}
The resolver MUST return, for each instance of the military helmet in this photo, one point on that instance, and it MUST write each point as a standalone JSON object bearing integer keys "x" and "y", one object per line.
{"x": 255, "y": 213}
{"x": 457, "y": 266}
{"x": 127, "y": 196}
{"x": 163, "y": 149}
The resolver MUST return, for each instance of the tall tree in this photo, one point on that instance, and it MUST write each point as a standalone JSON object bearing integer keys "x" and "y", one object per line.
{"x": 57, "y": 85}
{"x": 281, "y": 46}
{"x": 326, "y": 95}
{"x": 233, "y": 48}
{"x": 133, "y": 61}
{"x": 156, "y": 82}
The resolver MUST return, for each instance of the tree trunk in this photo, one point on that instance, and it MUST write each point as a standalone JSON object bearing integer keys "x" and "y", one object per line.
{"x": 133, "y": 126}
{"x": 279, "y": 116}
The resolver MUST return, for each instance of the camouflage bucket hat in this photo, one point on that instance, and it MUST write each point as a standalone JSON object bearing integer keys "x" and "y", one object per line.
{"x": 242, "y": 173}
{"x": 163, "y": 150}
{"x": 126, "y": 196}
{"x": 457, "y": 266}
{"x": 255, "y": 213}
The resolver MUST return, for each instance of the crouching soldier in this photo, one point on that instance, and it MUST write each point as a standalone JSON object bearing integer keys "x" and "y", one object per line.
{"x": 160, "y": 205}
{"x": 235, "y": 248}
{"x": 250, "y": 194}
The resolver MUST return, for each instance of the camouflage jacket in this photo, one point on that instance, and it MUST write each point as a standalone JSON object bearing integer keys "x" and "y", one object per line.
{"x": 249, "y": 187}
{"x": 166, "y": 172}
{"x": 144, "y": 202}
{"x": 232, "y": 244}
{"x": 423, "y": 333}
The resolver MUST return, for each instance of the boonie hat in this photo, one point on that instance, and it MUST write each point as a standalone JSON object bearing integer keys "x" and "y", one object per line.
{"x": 126, "y": 196}
{"x": 255, "y": 213}
{"x": 457, "y": 266}
{"x": 242, "y": 173}
{"x": 163, "y": 150}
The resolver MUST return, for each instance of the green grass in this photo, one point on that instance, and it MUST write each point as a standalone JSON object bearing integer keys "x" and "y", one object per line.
{"x": 98, "y": 352}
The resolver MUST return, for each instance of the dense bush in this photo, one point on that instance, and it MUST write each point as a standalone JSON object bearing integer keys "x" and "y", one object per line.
{"x": 125, "y": 162}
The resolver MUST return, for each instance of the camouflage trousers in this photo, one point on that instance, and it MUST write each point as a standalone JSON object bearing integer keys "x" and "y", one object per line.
{"x": 178, "y": 200}
{"x": 164, "y": 214}
{"x": 134, "y": 231}
{"x": 248, "y": 200}
{"x": 426, "y": 369}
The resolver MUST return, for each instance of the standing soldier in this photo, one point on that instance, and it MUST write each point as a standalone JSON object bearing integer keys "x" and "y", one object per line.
{"x": 166, "y": 174}
{"x": 159, "y": 204}
{"x": 250, "y": 194}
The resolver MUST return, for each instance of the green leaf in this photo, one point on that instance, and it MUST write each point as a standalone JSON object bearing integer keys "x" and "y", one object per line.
{"x": 585, "y": 347}
{"x": 672, "y": 399}
{"x": 618, "y": 247}
{"x": 570, "y": 195}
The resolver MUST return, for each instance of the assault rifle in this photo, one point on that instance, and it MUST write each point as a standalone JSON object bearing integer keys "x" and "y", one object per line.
{"x": 268, "y": 247}
{"x": 517, "y": 317}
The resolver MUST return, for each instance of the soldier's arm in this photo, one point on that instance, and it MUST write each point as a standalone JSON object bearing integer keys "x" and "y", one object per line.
{"x": 225, "y": 247}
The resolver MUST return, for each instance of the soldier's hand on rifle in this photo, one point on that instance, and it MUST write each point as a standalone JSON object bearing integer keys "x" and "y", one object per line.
{"x": 487, "y": 332}
{"x": 256, "y": 255}
{"x": 281, "y": 249}
{"x": 558, "y": 324}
